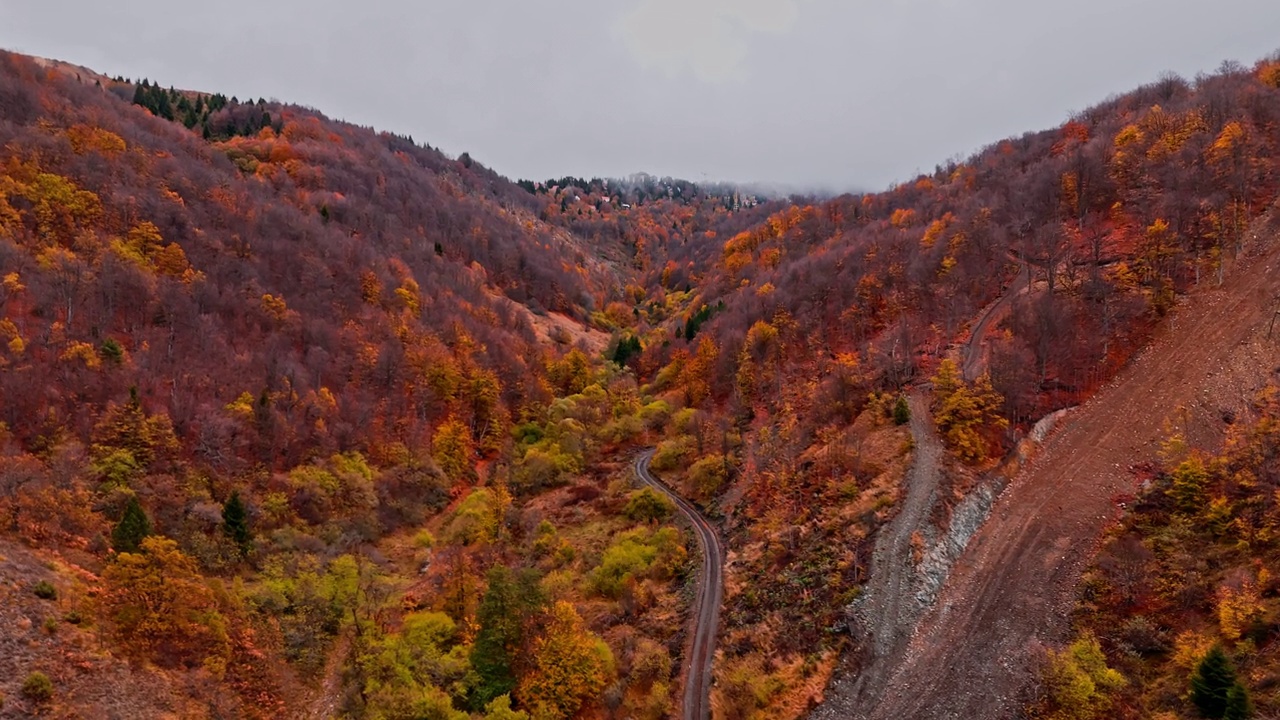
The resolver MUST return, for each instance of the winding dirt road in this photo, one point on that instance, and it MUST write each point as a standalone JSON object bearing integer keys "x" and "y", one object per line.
{"x": 975, "y": 359}
{"x": 1015, "y": 584}
{"x": 706, "y": 608}
{"x": 889, "y": 610}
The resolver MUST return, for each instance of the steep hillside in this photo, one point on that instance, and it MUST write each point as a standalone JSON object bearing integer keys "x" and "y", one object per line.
{"x": 254, "y": 361}
{"x": 791, "y": 343}
{"x": 282, "y": 392}
{"x": 315, "y": 268}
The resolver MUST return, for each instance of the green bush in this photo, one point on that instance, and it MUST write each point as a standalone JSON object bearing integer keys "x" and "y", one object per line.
{"x": 475, "y": 520}
{"x": 111, "y": 351}
{"x": 673, "y": 453}
{"x": 45, "y": 590}
{"x": 648, "y": 506}
{"x": 637, "y": 554}
{"x": 655, "y": 414}
{"x": 37, "y": 687}
{"x": 709, "y": 475}
{"x": 901, "y": 411}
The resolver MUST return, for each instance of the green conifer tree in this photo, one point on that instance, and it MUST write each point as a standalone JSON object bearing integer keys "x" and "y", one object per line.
{"x": 1211, "y": 682}
{"x": 507, "y": 604}
{"x": 1239, "y": 705}
{"x": 134, "y": 526}
{"x": 901, "y": 411}
{"x": 235, "y": 522}
{"x": 499, "y": 619}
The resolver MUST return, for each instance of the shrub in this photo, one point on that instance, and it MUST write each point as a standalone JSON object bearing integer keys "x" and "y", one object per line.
{"x": 37, "y": 687}
{"x": 709, "y": 475}
{"x": 636, "y": 555}
{"x": 45, "y": 590}
{"x": 424, "y": 539}
{"x": 901, "y": 411}
{"x": 673, "y": 453}
{"x": 1078, "y": 682}
{"x": 476, "y": 519}
{"x": 648, "y": 506}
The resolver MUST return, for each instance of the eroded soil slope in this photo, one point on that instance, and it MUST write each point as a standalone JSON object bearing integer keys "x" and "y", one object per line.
{"x": 1015, "y": 583}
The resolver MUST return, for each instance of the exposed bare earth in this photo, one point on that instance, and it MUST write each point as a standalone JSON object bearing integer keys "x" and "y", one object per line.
{"x": 884, "y": 616}
{"x": 325, "y": 705}
{"x": 705, "y": 617}
{"x": 1015, "y": 583}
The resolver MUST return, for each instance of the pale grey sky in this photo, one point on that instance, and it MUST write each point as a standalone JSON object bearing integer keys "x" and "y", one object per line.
{"x": 817, "y": 93}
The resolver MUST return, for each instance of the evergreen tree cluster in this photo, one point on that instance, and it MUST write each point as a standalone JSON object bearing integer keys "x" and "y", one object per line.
{"x": 173, "y": 105}
{"x": 628, "y": 347}
{"x": 200, "y": 112}
{"x": 695, "y": 321}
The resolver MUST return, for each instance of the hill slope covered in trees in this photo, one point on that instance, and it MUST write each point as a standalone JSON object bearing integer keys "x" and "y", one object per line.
{"x": 362, "y": 411}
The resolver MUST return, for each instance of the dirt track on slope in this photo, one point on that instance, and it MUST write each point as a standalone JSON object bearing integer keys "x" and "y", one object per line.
{"x": 975, "y": 356}
{"x": 706, "y": 609}
{"x": 884, "y": 619}
{"x": 1015, "y": 583}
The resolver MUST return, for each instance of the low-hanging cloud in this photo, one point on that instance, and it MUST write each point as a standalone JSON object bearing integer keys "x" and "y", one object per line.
{"x": 710, "y": 38}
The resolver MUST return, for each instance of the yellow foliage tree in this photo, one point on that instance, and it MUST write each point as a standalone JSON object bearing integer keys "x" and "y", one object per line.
{"x": 171, "y": 260}
{"x": 159, "y": 607}
{"x": 60, "y": 208}
{"x": 274, "y": 306}
{"x": 1079, "y": 683}
{"x": 452, "y": 449}
{"x": 696, "y": 374}
{"x": 1269, "y": 74}
{"x": 570, "y": 666}
{"x": 1237, "y": 608}
{"x": 966, "y": 414}
{"x": 571, "y": 373}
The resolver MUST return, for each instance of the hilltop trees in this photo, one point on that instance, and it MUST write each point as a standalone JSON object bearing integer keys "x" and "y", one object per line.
{"x": 299, "y": 337}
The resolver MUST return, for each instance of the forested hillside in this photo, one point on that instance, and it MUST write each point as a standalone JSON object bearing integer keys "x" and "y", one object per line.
{"x": 297, "y": 414}
{"x": 793, "y": 333}
{"x": 255, "y": 361}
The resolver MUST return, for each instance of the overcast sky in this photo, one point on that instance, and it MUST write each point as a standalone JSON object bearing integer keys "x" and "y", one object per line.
{"x": 837, "y": 94}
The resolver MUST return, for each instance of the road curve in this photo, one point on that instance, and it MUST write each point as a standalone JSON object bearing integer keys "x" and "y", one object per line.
{"x": 974, "y": 359}
{"x": 706, "y": 607}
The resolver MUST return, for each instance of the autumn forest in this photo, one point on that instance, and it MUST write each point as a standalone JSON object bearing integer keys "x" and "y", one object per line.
{"x": 303, "y": 419}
